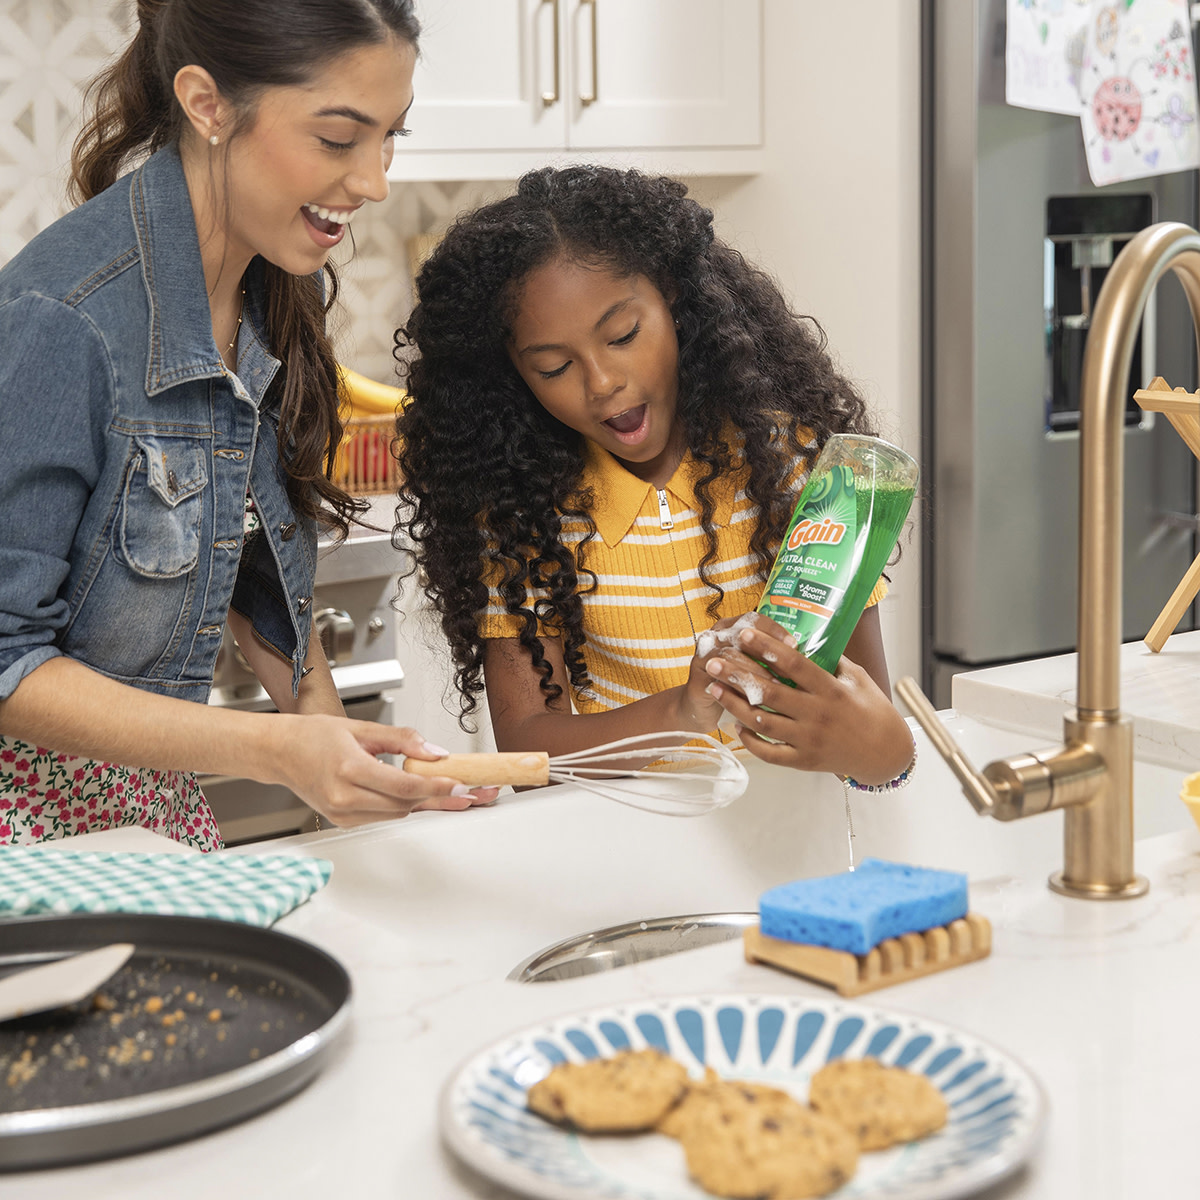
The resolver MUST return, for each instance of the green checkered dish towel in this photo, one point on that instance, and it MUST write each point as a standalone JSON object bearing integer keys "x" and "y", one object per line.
{"x": 256, "y": 890}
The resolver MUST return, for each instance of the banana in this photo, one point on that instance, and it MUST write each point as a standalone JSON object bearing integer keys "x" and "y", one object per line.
{"x": 365, "y": 396}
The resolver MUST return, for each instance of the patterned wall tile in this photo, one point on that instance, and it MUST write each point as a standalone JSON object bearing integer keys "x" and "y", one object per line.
{"x": 51, "y": 49}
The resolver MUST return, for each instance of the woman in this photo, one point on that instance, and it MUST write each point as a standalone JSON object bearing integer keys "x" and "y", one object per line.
{"x": 169, "y": 412}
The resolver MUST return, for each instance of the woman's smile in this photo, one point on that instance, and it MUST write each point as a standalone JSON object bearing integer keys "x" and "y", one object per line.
{"x": 327, "y": 225}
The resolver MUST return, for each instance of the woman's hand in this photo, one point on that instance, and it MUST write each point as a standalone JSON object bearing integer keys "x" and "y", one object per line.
{"x": 842, "y": 723}
{"x": 331, "y": 763}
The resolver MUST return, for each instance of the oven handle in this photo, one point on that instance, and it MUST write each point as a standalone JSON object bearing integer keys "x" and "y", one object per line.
{"x": 335, "y": 629}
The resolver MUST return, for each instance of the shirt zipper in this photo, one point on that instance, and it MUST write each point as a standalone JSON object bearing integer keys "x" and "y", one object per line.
{"x": 664, "y": 511}
{"x": 665, "y": 522}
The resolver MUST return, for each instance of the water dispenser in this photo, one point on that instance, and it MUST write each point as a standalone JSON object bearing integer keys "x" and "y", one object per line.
{"x": 1084, "y": 234}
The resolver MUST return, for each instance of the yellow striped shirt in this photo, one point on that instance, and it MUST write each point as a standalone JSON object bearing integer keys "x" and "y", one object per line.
{"x": 650, "y": 604}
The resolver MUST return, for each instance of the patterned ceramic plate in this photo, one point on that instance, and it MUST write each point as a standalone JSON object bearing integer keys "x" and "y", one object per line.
{"x": 997, "y": 1109}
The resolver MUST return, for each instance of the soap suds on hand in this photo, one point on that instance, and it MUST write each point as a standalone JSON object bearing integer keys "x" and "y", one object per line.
{"x": 751, "y": 688}
{"x": 710, "y": 639}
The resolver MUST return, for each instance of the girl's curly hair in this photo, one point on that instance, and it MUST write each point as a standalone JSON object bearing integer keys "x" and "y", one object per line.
{"x": 489, "y": 476}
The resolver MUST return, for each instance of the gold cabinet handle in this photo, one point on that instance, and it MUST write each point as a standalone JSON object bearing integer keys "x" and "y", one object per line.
{"x": 586, "y": 98}
{"x": 549, "y": 99}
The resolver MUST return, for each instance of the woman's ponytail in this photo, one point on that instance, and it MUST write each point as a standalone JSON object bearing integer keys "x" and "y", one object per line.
{"x": 131, "y": 111}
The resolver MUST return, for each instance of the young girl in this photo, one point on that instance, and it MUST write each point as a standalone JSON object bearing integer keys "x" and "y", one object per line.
{"x": 611, "y": 418}
{"x": 169, "y": 418}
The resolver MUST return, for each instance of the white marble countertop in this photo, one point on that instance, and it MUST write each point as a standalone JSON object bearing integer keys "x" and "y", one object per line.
{"x": 1161, "y": 692}
{"x": 430, "y": 914}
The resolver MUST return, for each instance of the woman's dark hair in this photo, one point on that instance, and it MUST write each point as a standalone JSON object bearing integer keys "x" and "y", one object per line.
{"x": 247, "y": 46}
{"x": 489, "y": 476}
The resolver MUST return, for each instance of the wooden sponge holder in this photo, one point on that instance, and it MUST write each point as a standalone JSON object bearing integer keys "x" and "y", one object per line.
{"x": 894, "y": 960}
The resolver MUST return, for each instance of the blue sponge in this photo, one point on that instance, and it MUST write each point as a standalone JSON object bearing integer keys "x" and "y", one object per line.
{"x": 858, "y": 909}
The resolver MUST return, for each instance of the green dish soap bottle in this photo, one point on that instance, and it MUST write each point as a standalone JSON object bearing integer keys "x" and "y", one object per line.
{"x": 841, "y": 535}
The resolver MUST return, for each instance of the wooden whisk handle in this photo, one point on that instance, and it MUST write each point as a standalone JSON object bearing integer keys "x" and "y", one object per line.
{"x": 487, "y": 770}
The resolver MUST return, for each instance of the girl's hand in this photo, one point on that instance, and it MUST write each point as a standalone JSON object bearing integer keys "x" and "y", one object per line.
{"x": 700, "y": 709}
{"x": 841, "y": 723}
{"x": 720, "y": 645}
{"x": 331, "y": 764}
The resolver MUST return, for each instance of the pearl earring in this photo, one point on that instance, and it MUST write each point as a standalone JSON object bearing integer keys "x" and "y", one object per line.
{"x": 213, "y": 140}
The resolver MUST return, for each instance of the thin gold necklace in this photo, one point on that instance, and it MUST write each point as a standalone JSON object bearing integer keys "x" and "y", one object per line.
{"x": 236, "y": 329}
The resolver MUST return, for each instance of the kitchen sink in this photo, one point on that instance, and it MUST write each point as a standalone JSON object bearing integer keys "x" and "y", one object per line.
{"x": 636, "y": 941}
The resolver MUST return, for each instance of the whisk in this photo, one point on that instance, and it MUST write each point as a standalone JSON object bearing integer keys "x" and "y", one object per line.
{"x": 677, "y": 781}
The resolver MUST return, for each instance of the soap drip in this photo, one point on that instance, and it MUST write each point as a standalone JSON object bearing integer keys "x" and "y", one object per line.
{"x": 849, "y": 824}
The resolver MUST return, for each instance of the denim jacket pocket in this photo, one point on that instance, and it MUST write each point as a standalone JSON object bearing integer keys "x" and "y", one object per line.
{"x": 163, "y": 506}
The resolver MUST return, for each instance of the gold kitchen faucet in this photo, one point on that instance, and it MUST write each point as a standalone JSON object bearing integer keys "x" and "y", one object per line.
{"x": 1090, "y": 775}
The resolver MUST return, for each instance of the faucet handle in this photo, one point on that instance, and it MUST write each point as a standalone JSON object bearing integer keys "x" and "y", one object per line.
{"x": 979, "y": 790}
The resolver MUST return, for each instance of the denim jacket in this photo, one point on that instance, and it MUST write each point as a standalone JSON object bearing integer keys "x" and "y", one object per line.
{"x": 127, "y": 451}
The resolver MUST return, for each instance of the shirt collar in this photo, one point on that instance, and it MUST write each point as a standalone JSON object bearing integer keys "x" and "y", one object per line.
{"x": 618, "y": 495}
{"x": 181, "y": 345}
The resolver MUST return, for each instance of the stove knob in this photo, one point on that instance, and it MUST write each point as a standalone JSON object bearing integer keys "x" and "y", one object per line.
{"x": 335, "y": 628}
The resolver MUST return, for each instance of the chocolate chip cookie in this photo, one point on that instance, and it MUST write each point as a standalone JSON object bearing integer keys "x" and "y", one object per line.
{"x": 749, "y": 1141}
{"x": 630, "y": 1091}
{"x": 709, "y": 1090}
{"x": 880, "y": 1105}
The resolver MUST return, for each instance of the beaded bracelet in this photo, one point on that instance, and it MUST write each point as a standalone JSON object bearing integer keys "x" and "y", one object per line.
{"x": 892, "y": 785}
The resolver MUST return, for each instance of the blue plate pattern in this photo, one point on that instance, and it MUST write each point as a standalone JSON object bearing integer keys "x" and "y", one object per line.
{"x": 997, "y": 1110}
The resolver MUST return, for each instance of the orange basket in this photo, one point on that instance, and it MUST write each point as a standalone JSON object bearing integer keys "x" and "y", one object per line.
{"x": 365, "y": 464}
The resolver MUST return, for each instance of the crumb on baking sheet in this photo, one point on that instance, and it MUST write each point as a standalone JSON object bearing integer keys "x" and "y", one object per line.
{"x": 24, "y": 1068}
{"x": 149, "y": 1029}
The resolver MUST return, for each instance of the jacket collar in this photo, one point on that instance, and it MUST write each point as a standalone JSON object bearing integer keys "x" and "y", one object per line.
{"x": 619, "y": 495}
{"x": 181, "y": 345}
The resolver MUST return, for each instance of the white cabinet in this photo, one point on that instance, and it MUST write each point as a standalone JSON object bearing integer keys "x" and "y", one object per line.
{"x": 678, "y": 73}
{"x": 483, "y": 67}
{"x": 502, "y": 85}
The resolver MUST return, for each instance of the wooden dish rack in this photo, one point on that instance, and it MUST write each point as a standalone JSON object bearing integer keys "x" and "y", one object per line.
{"x": 1182, "y": 409}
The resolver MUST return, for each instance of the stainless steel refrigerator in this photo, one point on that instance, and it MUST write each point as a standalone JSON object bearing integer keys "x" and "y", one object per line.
{"x": 1016, "y": 244}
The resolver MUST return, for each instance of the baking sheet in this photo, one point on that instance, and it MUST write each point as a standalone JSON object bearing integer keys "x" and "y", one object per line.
{"x": 208, "y": 1022}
